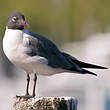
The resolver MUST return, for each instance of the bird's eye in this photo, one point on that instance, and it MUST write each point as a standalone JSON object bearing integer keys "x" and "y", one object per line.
{"x": 14, "y": 19}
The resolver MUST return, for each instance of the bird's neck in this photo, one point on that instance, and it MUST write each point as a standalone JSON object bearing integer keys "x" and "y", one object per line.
{"x": 12, "y": 38}
{"x": 14, "y": 27}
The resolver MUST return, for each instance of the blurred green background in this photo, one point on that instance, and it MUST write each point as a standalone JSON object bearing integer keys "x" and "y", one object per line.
{"x": 60, "y": 20}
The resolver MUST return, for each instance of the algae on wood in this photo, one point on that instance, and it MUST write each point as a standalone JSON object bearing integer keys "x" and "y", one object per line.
{"x": 45, "y": 103}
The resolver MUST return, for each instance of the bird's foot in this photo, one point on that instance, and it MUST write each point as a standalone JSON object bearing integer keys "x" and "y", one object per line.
{"x": 27, "y": 96}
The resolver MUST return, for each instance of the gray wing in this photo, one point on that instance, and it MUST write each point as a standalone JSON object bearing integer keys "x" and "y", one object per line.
{"x": 43, "y": 47}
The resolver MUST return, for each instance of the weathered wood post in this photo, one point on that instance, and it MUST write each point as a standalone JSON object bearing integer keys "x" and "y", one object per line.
{"x": 45, "y": 103}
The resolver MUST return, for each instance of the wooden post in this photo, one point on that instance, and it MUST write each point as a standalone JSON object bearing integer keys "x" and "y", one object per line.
{"x": 45, "y": 103}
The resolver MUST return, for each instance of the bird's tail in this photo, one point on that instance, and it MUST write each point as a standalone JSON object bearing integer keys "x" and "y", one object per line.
{"x": 87, "y": 65}
{"x": 82, "y": 64}
{"x": 84, "y": 71}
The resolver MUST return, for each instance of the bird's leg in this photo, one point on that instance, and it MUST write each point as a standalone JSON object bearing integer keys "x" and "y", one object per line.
{"x": 27, "y": 95}
{"x": 27, "y": 87}
{"x": 35, "y": 80}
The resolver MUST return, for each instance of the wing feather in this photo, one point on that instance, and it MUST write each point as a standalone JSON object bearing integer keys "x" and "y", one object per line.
{"x": 41, "y": 46}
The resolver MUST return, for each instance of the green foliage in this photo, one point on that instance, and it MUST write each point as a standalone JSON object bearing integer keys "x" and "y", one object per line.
{"x": 60, "y": 20}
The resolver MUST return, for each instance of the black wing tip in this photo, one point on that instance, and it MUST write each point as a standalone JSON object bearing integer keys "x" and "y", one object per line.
{"x": 100, "y": 67}
{"x": 84, "y": 71}
{"x": 97, "y": 67}
{"x": 92, "y": 66}
{"x": 94, "y": 74}
{"x": 91, "y": 73}
{"x": 104, "y": 68}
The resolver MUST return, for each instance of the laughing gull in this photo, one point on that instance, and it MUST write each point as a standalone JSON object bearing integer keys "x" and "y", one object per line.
{"x": 36, "y": 54}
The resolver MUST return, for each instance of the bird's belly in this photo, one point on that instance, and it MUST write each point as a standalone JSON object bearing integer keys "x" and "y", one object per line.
{"x": 30, "y": 64}
{"x": 37, "y": 65}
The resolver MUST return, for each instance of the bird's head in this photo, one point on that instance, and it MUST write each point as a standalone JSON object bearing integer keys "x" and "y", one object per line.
{"x": 16, "y": 20}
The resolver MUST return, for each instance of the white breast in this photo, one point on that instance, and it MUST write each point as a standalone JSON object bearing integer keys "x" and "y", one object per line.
{"x": 14, "y": 46}
{"x": 11, "y": 42}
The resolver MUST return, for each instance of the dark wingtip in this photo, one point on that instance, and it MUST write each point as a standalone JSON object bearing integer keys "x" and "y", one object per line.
{"x": 94, "y": 74}
{"x": 104, "y": 68}
{"x": 98, "y": 67}
{"x": 88, "y": 72}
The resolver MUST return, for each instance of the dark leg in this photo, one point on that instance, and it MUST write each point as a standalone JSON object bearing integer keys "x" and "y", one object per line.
{"x": 27, "y": 87}
{"x": 35, "y": 80}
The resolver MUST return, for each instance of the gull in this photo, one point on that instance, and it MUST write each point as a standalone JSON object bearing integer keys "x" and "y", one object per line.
{"x": 36, "y": 54}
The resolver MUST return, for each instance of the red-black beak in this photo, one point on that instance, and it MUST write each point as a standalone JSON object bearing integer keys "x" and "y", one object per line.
{"x": 25, "y": 24}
